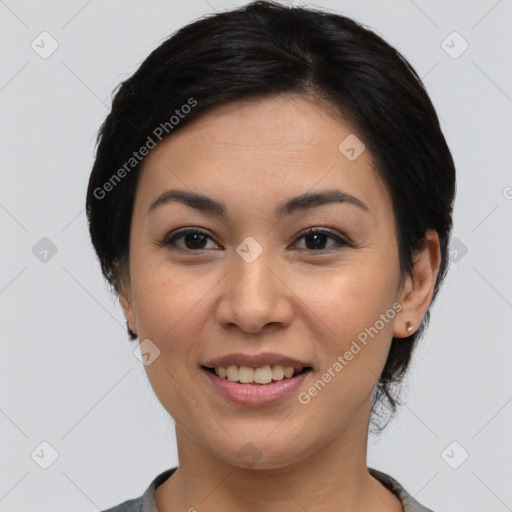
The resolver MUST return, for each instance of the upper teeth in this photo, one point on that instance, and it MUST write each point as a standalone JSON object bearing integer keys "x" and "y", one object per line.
{"x": 262, "y": 375}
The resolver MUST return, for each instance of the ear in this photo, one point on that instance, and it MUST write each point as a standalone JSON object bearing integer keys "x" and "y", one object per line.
{"x": 418, "y": 289}
{"x": 125, "y": 295}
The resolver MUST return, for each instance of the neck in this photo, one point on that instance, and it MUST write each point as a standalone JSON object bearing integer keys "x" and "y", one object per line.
{"x": 332, "y": 477}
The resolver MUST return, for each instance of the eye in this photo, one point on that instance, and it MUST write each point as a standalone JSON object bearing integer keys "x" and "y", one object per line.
{"x": 317, "y": 238}
{"x": 193, "y": 239}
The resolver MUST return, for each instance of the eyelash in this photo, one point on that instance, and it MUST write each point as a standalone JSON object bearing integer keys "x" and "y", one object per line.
{"x": 170, "y": 241}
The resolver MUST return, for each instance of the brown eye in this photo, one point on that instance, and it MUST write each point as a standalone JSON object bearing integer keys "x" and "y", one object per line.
{"x": 197, "y": 240}
{"x": 193, "y": 240}
{"x": 316, "y": 239}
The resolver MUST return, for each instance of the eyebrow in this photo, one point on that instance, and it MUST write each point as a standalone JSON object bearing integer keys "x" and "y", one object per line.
{"x": 299, "y": 203}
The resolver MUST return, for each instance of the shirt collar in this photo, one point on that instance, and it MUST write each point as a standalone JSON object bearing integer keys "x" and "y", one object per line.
{"x": 408, "y": 502}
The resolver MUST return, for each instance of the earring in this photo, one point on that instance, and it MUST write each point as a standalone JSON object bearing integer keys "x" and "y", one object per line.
{"x": 409, "y": 326}
{"x": 132, "y": 333}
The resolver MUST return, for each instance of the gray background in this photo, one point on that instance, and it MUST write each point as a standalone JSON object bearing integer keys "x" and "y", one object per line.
{"x": 68, "y": 373}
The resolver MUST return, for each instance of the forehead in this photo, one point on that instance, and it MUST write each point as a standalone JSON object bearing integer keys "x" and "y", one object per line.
{"x": 267, "y": 148}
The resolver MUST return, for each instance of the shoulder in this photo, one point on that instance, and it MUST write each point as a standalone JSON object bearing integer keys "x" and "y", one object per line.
{"x": 133, "y": 505}
{"x": 145, "y": 502}
{"x": 408, "y": 502}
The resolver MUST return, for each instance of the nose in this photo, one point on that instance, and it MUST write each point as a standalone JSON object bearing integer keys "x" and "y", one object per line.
{"x": 255, "y": 296}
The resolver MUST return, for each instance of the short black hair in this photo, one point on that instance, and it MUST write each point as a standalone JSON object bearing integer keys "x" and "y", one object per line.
{"x": 262, "y": 49}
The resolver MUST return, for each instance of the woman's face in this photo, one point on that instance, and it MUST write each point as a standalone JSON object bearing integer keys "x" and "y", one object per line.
{"x": 252, "y": 283}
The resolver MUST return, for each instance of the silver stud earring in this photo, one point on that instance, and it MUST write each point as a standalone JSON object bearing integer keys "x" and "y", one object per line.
{"x": 408, "y": 326}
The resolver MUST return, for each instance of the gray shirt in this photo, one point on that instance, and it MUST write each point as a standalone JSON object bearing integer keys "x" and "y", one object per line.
{"x": 146, "y": 502}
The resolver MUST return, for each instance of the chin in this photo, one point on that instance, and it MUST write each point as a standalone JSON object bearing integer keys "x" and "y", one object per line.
{"x": 263, "y": 452}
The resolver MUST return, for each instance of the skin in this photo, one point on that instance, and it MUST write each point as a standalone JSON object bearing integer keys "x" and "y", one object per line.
{"x": 198, "y": 303}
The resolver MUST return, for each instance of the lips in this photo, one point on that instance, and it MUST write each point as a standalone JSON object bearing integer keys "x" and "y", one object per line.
{"x": 232, "y": 376}
{"x": 256, "y": 361}
{"x": 252, "y": 394}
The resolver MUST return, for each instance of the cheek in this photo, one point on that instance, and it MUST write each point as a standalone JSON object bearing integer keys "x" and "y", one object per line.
{"x": 350, "y": 298}
{"x": 355, "y": 306}
{"x": 170, "y": 311}
{"x": 169, "y": 303}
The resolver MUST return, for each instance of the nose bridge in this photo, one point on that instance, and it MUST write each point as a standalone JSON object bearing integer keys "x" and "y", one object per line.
{"x": 252, "y": 277}
{"x": 253, "y": 285}
{"x": 254, "y": 296}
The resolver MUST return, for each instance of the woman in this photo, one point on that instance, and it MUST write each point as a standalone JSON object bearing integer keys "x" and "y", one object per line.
{"x": 272, "y": 201}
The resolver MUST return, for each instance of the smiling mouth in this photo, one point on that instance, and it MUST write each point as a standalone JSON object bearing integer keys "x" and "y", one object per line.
{"x": 257, "y": 376}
